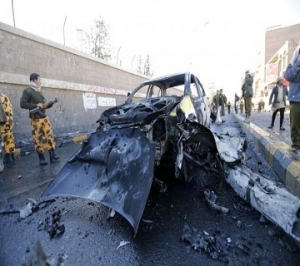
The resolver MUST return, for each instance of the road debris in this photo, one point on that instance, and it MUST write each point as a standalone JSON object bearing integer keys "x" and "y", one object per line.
{"x": 53, "y": 225}
{"x": 204, "y": 241}
{"x": 111, "y": 213}
{"x": 123, "y": 243}
{"x": 30, "y": 207}
{"x": 211, "y": 198}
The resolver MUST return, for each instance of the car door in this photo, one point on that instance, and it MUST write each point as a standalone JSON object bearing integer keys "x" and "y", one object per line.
{"x": 200, "y": 101}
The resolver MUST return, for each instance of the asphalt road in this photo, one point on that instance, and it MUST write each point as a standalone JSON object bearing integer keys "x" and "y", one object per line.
{"x": 164, "y": 236}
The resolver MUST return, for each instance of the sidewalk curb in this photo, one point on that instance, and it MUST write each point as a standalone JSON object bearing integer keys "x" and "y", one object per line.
{"x": 276, "y": 153}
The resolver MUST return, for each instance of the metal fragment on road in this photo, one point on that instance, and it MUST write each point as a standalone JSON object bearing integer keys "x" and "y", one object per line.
{"x": 211, "y": 198}
{"x": 276, "y": 203}
{"x": 147, "y": 221}
{"x": 123, "y": 243}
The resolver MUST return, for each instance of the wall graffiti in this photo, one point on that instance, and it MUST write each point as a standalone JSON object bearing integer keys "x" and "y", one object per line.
{"x": 100, "y": 89}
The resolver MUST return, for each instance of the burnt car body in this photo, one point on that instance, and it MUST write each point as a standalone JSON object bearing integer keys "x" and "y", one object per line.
{"x": 163, "y": 121}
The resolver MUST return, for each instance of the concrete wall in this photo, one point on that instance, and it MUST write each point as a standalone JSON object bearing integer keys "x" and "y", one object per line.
{"x": 84, "y": 85}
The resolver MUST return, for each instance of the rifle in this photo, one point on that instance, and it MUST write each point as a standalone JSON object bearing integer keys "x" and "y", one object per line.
{"x": 45, "y": 106}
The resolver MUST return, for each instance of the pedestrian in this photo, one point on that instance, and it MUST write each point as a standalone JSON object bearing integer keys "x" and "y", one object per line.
{"x": 242, "y": 106}
{"x": 278, "y": 102}
{"x": 292, "y": 74}
{"x": 224, "y": 102}
{"x": 262, "y": 104}
{"x": 259, "y": 106}
{"x": 236, "y": 99}
{"x": 32, "y": 97}
{"x": 228, "y": 107}
{"x": 247, "y": 93}
{"x": 217, "y": 102}
{"x": 6, "y": 129}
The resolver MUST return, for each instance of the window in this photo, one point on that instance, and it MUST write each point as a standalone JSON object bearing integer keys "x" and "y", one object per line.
{"x": 153, "y": 91}
{"x": 194, "y": 91}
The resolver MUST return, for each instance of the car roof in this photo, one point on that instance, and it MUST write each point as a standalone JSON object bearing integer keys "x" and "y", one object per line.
{"x": 169, "y": 80}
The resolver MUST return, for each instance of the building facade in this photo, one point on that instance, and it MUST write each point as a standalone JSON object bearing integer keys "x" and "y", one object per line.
{"x": 280, "y": 43}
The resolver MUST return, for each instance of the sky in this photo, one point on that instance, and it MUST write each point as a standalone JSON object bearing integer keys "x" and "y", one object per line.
{"x": 215, "y": 39}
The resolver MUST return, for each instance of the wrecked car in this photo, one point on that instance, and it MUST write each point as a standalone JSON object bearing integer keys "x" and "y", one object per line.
{"x": 164, "y": 122}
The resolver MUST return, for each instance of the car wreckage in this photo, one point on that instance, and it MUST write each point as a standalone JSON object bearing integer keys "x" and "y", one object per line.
{"x": 164, "y": 121}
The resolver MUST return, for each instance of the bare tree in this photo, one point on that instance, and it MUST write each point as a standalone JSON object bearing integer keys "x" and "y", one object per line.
{"x": 144, "y": 67}
{"x": 100, "y": 40}
{"x": 139, "y": 66}
{"x": 96, "y": 41}
{"x": 147, "y": 65}
{"x": 84, "y": 41}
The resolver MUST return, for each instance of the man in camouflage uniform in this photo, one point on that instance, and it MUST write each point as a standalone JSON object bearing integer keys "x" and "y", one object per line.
{"x": 247, "y": 93}
{"x": 6, "y": 129}
{"x": 32, "y": 97}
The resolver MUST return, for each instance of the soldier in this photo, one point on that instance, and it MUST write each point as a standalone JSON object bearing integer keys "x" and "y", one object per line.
{"x": 32, "y": 97}
{"x": 6, "y": 129}
{"x": 247, "y": 93}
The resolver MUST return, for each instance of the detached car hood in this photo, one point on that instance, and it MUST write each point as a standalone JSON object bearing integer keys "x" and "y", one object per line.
{"x": 114, "y": 168}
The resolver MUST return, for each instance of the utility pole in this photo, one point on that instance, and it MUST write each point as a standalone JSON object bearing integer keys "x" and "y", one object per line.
{"x": 118, "y": 55}
{"x": 13, "y": 12}
{"x": 64, "y": 29}
{"x": 132, "y": 61}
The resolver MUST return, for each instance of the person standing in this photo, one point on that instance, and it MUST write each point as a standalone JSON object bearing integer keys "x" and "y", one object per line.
{"x": 292, "y": 74}
{"x": 262, "y": 105}
{"x": 247, "y": 93}
{"x": 236, "y": 99}
{"x": 228, "y": 107}
{"x": 242, "y": 106}
{"x": 278, "y": 101}
{"x": 217, "y": 101}
{"x": 6, "y": 129}
{"x": 224, "y": 102}
{"x": 32, "y": 97}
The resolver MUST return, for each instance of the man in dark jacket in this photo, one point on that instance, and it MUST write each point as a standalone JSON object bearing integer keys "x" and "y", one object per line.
{"x": 292, "y": 74}
{"x": 32, "y": 97}
{"x": 247, "y": 93}
{"x": 278, "y": 102}
{"x": 236, "y": 99}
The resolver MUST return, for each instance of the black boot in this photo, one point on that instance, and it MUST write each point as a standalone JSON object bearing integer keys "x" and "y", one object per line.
{"x": 42, "y": 158}
{"x": 7, "y": 159}
{"x": 53, "y": 157}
